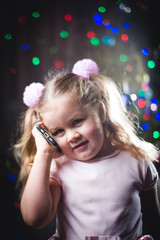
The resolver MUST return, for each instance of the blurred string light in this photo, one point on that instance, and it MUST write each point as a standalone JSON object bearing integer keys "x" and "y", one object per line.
{"x": 22, "y": 20}
{"x": 41, "y": 41}
{"x": 108, "y": 40}
{"x": 145, "y": 86}
{"x": 156, "y": 134}
{"x": 129, "y": 68}
{"x": 146, "y": 116}
{"x": 59, "y": 64}
{"x": 64, "y": 34}
{"x": 35, "y": 15}
{"x": 145, "y": 51}
{"x": 124, "y": 8}
{"x": 98, "y": 19}
{"x": 158, "y": 116}
{"x": 124, "y": 37}
{"x": 91, "y": 34}
{"x": 95, "y": 41}
{"x": 155, "y": 101}
{"x": 8, "y": 36}
{"x": 153, "y": 107}
{"x": 101, "y": 9}
{"x": 68, "y": 17}
{"x": 123, "y": 58}
{"x": 35, "y": 61}
{"x": 115, "y": 29}
{"x": 108, "y": 25}
{"x": 126, "y": 25}
{"x": 151, "y": 64}
{"x": 141, "y": 103}
{"x": 145, "y": 126}
{"x": 11, "y": 177}
{"x": 141, "y": 93}
{"x": 25, "y": 46}
{"x": 133, "y": 97}
{"x": 53, "y": 50}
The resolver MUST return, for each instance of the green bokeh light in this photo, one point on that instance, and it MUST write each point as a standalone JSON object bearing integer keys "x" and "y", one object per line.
{"x": 35, "y": 60}
{"x": 95, "y": 41}
{"x": 101, "y": 9}
{"x": 156, "y": 134}
{"x": 123, "y": 58}
{"x": 35, "y": 14}
{"x": 64, "y": 34}
{"x": 151, "y": 64}
{"x": 53, "y": 50}
{"x": 8, "y": 36}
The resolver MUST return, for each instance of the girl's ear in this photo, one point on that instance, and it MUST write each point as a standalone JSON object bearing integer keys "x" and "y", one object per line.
{"x": 102, "y": 111}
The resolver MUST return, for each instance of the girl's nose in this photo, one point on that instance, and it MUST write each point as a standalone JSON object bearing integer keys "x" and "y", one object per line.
{"x": 72, "y": 136}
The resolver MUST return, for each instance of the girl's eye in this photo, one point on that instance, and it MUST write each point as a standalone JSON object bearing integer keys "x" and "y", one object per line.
{"x": 77, "y": 121}
{"x": 59, "y": 131}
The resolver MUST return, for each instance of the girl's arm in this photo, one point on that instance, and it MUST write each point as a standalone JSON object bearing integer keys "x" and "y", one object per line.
{"x": 151, "y": 212}
{"x": 41, "y": 195}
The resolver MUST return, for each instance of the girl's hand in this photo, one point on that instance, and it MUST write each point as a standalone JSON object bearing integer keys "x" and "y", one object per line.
{"x": 42, "y": 145}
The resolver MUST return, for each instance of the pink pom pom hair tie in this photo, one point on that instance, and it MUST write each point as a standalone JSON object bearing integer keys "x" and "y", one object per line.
{"x": 85, "y": 67}
{"x": 32, "y": 94}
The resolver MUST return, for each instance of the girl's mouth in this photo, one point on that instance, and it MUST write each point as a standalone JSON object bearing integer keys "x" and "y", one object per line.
{"x": 81, "y": 146}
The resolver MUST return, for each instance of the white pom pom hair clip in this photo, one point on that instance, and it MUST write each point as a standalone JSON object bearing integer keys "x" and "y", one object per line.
{"x": 33, "y": 92}
{"x": 85, "y": 67}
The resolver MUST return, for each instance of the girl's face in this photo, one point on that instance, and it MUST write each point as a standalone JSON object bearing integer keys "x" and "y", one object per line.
{"x": 78, "y": 130}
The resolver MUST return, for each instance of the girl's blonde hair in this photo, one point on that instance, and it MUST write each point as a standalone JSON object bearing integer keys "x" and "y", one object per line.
{"x": 99, "y": 89}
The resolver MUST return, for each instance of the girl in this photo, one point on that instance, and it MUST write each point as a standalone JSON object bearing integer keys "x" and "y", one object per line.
{"x": 103, "y": 178}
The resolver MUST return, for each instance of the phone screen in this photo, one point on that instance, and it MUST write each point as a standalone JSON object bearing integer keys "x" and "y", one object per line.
{"x": 46, "y": 135}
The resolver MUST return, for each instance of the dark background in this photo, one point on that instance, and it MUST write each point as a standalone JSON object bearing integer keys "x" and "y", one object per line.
{"x": 17, "y": 69}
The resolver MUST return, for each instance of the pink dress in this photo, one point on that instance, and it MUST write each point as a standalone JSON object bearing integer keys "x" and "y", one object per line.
{"x": 100, "y": 197}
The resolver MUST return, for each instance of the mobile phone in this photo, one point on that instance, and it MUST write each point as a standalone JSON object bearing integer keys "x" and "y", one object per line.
{"x": 41, "y": 128}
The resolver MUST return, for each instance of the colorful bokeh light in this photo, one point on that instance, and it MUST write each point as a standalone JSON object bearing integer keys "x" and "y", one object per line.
{"x": 35, "y": 61}
{"x": 108, "y": 25}
{"x": 35, "y": 14}
{"x": 153, "y": 107}
{"x": 108, "y": 40}
{"x": 115, "y": 29}
{"x": 124, "y": 37}
{"x": 64, "y": 34}
{"x": 145, "y": 51}
{"x": 123, "y": 58}
{"x": 91, "y": 34}
{"x": 59, "y": 64}
{"x": 95, "y": 41}
{"x": 126, "y": 25}
{"x": 22, "y": 20}
{"x": 154, "y": 100}
{"x": 98, "y": 19}
{"x": 151, "y": 64}
{"x": 101, "y": 9}
{"x": 11, "y": 177}
{"x": 146, "y": 116}
{"x": 145, "y": 86}
{"x": 8, "y": 36}
{"x": 68, "y": 17}
{"x": 156, "y": 134}
{"x": 141, "y": 103}
{"x": 158, "y": 116}
{"x": 145, "y": 126}
{"x": 53, "y": 50}
{"x": 25, "y": 46}
{"x": 129, "y": 68}
{"x": 141, "y": 93}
